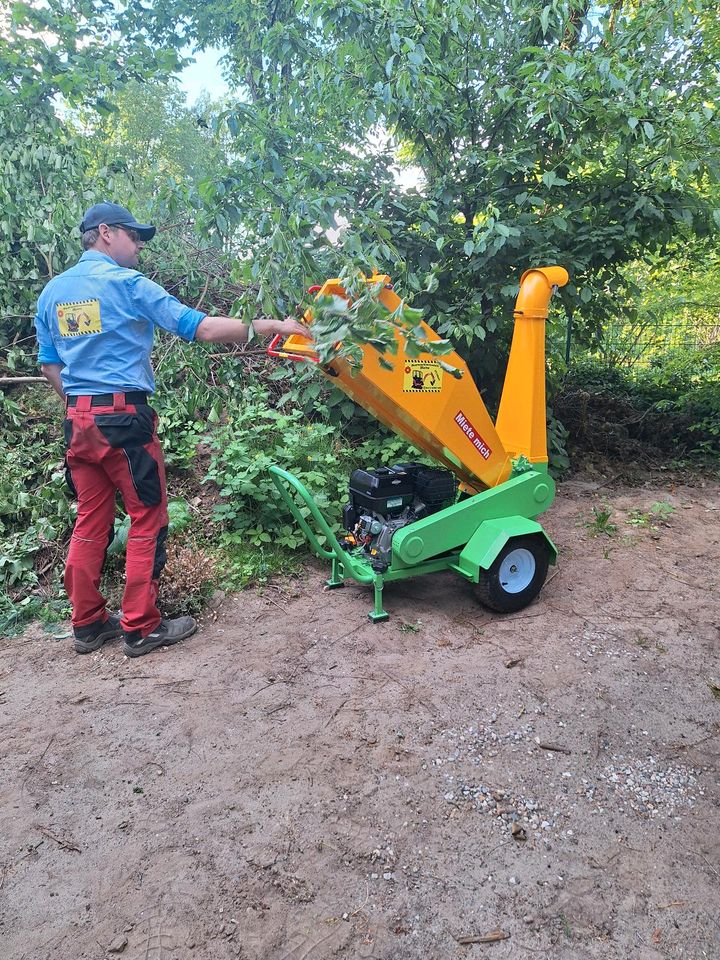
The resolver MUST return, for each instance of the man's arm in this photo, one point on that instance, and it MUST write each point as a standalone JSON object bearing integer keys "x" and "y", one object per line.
{"x": 51, "y": 372}
{"x": 155, "y": 304}
{"x": 231, "y": 330}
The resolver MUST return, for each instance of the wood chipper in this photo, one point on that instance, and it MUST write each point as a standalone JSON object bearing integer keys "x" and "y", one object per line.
{"x": 475, "y": 511}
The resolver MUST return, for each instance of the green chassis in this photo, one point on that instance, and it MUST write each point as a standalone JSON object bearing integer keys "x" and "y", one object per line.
{"x": 465, "y": 537}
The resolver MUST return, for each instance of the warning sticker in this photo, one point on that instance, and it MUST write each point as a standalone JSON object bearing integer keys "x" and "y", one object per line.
{"x": 473, "y": 436}
{"x": 78, "y": 318}
{"x": 422, "y": 376}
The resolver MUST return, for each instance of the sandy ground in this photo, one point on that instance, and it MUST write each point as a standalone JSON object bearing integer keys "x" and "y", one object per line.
{"x": 296, "y": 783}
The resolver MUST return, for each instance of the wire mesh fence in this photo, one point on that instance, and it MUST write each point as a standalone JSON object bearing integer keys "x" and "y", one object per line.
{"x": 649, "y": 341}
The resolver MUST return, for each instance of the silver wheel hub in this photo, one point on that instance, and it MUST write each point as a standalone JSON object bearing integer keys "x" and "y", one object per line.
{"x": 517, "y": 570}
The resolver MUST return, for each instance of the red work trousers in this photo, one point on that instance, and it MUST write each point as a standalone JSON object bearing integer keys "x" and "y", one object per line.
{"x": 109, "y": 449}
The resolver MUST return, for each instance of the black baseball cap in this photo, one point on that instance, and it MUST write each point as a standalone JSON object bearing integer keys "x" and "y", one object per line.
{"x": 115, "y": 216}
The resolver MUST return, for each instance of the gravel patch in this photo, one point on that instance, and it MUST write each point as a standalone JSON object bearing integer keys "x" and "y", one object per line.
{"x": 645, "y": 786}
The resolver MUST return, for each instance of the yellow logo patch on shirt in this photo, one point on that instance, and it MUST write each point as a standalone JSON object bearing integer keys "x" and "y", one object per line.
{"x": 78, "y": 318}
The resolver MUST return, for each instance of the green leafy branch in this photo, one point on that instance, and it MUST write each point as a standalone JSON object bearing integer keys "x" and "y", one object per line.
{"x": 342, "y": 326}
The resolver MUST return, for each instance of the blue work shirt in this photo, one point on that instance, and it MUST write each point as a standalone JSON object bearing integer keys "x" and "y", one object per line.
{"x": 97, "y": 319}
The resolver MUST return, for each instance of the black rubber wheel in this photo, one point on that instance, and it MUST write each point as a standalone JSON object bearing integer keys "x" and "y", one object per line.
{"x": 516, "y": 576}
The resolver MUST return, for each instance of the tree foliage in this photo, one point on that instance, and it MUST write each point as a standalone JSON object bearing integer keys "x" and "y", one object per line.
{"x": 72, "y": 49}
{"x": 570, "y": 132}
{"x": 154, "y": 140}
{"x": 61, "y": 53}
{"x": 42, "y": 192}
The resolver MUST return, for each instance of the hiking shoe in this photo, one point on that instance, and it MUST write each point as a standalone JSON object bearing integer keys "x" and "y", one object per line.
{"x": 92, "y": 636}
{"x": 166, "y": 633}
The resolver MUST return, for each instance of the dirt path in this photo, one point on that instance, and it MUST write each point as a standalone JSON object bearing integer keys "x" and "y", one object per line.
{"x": 295, "y": 783}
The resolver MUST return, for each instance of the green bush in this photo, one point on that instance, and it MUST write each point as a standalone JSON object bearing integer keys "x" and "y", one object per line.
{"x": 687, "y": 383}
{"x": 257, "y": 436}
{"x": 35, "y": 507}
{"x": 669, "y": 409}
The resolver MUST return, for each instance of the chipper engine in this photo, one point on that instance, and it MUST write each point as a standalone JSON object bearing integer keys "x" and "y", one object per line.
{"x": 384, "y": 500}
{"x": 474, "y": 511}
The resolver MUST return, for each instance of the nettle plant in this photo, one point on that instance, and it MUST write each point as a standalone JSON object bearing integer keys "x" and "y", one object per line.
{"x": 254, "y": 438}
{"x": 257, "y": 436}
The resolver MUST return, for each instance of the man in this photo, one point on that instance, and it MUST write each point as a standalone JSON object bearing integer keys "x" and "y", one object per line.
{"x": 95, "y": 326}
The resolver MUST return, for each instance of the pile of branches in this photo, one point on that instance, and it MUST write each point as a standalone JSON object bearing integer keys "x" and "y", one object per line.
{"x": 621, "y": 426}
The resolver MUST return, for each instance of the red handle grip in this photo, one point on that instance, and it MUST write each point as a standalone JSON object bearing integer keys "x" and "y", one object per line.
{"x": 282, "y": 354}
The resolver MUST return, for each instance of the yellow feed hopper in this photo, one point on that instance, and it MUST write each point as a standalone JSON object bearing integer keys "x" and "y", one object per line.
{"x": 443, "y": 415}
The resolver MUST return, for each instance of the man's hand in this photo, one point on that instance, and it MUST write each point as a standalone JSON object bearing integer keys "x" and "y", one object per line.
{"x": 267, "y": 326}
{"x": 51, "y": 372}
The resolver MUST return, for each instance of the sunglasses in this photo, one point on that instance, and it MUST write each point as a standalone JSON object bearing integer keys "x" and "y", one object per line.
{"x": 133, "y": 234}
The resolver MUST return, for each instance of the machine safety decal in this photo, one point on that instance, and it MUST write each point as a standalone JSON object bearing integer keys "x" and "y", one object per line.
{"x": 422, "y": 376}
{"x": 473, "y": 436}
{"x": 78, "y": 318}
